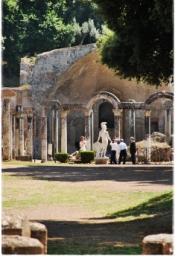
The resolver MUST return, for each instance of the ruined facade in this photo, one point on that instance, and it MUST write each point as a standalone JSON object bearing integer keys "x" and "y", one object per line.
{"x": 67, "y": 93}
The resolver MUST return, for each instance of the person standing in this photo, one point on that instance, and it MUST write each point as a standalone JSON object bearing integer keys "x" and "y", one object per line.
{"x": 123, "y": 149}
{"x": 82, "y": 143}
{"x": 113, "y": 151}
{"x": 133, "y": 150}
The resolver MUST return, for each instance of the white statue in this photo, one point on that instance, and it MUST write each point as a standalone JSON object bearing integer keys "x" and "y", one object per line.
{"x": 104, "y": 135}
{"x": 97, "y": 146}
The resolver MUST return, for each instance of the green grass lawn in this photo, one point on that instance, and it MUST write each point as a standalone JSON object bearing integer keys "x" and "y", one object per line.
{"x": 93, "y": 198}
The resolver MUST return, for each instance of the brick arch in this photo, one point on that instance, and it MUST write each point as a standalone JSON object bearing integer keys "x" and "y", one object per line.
{"x": 157, "y": 95}
{"x": 103, "y": 95}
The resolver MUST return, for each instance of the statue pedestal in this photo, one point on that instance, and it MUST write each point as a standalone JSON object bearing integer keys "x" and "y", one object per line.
{"x": 101, "y": 160}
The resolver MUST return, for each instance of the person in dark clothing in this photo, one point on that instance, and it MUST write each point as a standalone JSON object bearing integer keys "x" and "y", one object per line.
{"x": 133, "y": 150}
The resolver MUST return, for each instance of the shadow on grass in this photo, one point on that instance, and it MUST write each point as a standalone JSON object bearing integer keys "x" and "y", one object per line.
{"x": 75, "y": 248}
{"x": 162, "y": 175}
{"x": 70, "y": 237}
{"x": 117, "y": 237}
{"x": 155, "y": 206}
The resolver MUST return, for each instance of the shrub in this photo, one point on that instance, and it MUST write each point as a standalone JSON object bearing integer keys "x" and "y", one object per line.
{"x": 61, "y": 156}
{"x": 87, "y": 156}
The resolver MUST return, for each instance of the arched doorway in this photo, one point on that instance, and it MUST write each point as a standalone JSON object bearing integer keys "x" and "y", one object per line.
{"x": 104, "y": 106}
{"x": 106, "y": 114}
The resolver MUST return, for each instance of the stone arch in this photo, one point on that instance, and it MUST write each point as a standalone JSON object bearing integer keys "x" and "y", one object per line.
{"x": 161, "y": 94}
{"x": 103, "y": 95}
{"x": 93, "y": 126}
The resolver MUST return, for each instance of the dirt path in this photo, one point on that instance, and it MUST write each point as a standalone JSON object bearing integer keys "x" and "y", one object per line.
{"x": 77, "y": 224}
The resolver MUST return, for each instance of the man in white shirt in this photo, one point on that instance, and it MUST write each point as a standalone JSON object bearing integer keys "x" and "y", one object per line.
{"x": 118, "y": 150}
{"x": 123, "y": 149}
{"x": 113, "y": 151}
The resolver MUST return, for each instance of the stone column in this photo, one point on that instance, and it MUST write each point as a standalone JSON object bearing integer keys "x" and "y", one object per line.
{"x": 21, "y": 135}
{"x": 168, "y": 126}
{"x": 34, "y": 126}
{"x": 13, "y": 136}
{"x": 117, "y": 115}
{"x": 132, "y": 120}
{"x": 16, "y": 136}
{"x": 147, "y": 135}
{"x": 168, "y": 105}
{"x": 92, "y": 128}
{"x": 44, "y": 140}
{"x": 56, "y": 131}
{"x": 29, "y": 144}
{"x": 50, "y": 127}
{"x": 53, "y": 134}
{"x": 49, "y": 149}
{"x": 6, "y": 131}
{"x": 88, "y": 134}
{"x": 64, "y": 130}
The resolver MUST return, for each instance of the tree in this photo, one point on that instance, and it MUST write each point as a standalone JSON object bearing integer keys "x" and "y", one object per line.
{"x": 86, "y": 31}
{"x": 87, "y": 24}
{"x": 141, "y": 45}
{"x": 30, "y": 27}
{"x": 33, "y": 27}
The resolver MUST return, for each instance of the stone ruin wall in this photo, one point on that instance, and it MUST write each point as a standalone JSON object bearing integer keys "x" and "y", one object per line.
{"x": 44, "y": 71}
{"x": 71, "y": 76}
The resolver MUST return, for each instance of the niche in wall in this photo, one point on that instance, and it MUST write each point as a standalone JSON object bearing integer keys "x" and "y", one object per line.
{"x": 106, "y": 114}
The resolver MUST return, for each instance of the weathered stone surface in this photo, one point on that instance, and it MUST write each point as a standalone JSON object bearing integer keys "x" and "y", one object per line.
{"x": 15, "y": 225}
{"x": 39, "y": 232}
{"x": 21, "y": 245}
{"x": 160, "y": 150}
{"x": 24, "y": 158}
{"x": 158, "y": 244}
{"x": 48, "y": 68}
{"x": 159, "y": 137}
{"x": 101, "y": 160}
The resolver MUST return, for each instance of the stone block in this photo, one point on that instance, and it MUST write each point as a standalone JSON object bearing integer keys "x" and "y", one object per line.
{"x": 158, "y": 244}
{"x": 101, "y": 160}
{"x": 39, "y": 232}
{"x": 21, "y": 245}
{"x": 15, "y": 225}
{"x": 24, "y": 158}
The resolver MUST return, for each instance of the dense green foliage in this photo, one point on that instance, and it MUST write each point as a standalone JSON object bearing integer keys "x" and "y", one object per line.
{"x": 61, "y": 156}
{"x": 30, "y": 27}
{"x": 87, "y": 156}
{"x": 141, "y": 46}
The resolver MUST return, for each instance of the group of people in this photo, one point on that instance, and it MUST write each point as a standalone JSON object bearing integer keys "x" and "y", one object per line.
{"x": 119, "y": 151}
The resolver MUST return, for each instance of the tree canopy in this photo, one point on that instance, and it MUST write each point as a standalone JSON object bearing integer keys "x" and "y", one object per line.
{"x": 30, "y": 27}
{"x": 141, "y": 42}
